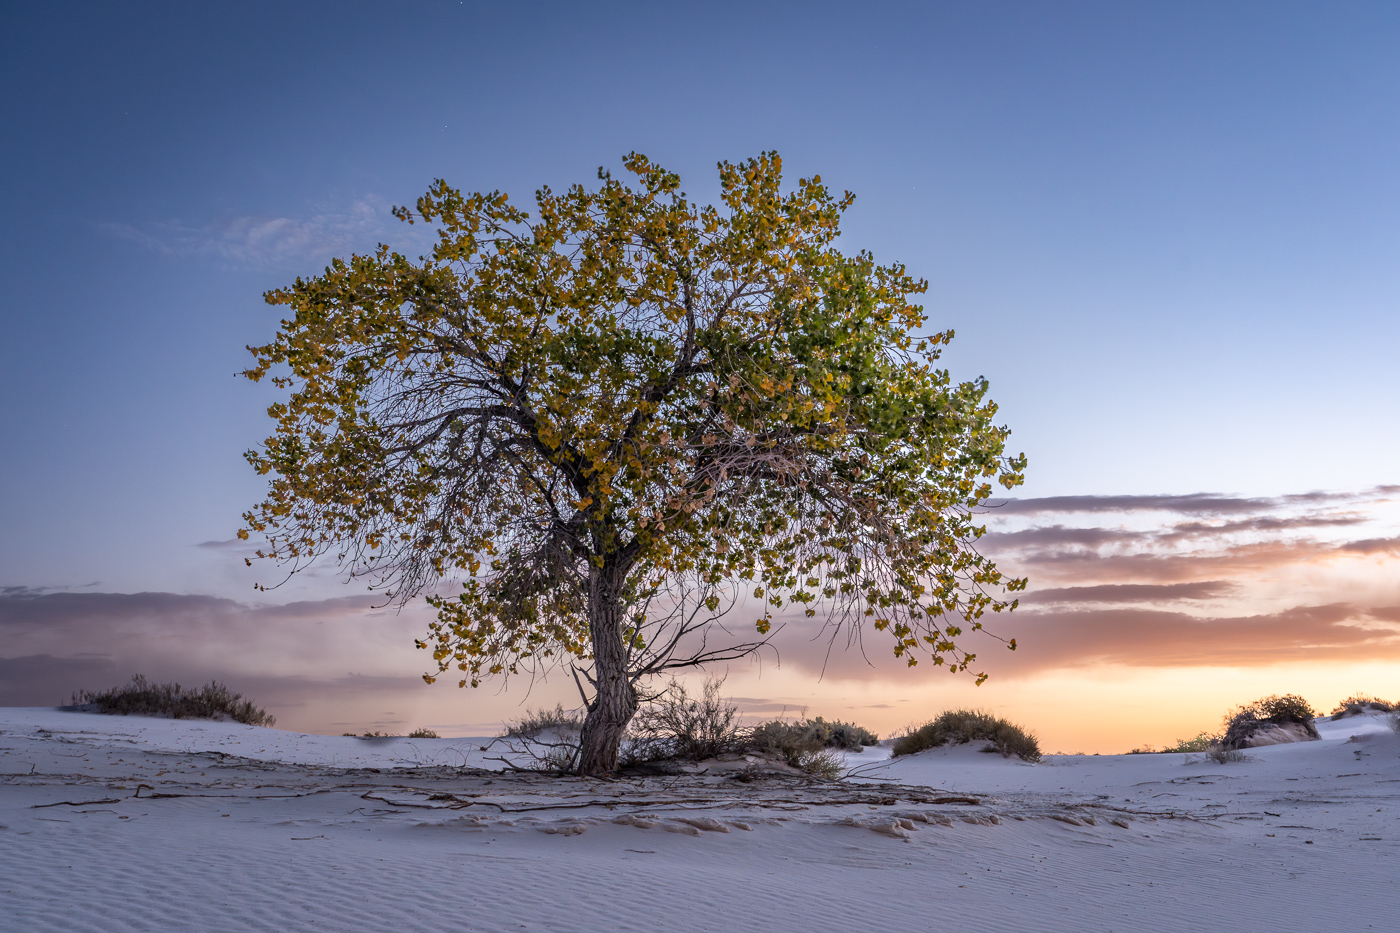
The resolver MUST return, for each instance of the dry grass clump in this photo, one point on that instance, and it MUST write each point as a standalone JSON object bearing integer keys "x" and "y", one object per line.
{"x": 422, "y": 734}
{"x": 1222, "y": 755}
{"x": 143, "y": 698}
{"x": 1243, "y": 722}
{"x": 959, "y": 726}
{"x": 1361, "y": 703}
{"x": 676, "y": 725}
{"x": 535, "y": 722}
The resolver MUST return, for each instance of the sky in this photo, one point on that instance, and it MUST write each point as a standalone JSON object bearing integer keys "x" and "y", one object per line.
{"x": 1166, "y": 233}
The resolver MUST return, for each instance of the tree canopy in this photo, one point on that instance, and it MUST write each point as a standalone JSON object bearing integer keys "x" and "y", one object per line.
{"x": 618, "y": 417}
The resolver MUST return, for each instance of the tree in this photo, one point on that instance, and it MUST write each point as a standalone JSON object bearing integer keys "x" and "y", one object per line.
{"x": 623, "y": 416}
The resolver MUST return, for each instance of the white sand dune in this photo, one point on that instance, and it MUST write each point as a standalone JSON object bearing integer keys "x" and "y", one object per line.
{"x": 128, "y": 823}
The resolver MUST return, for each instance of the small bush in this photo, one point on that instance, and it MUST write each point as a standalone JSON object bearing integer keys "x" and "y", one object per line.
{"x": 847, "y": 736}
{"x": 823, "y": 764}
{"x": 677, "y": 725}
{"x": 793, "y": 740}
{"x": 1201, "y": 742}
{"x": 143, "y": 698}
{"x": 789, "y": 741}
{"x": 1361, "y": 703}
{"x": 1244, "y": 721}
{"x": 422, "y": 734}
{"x": 959, "y": 726}
{"x": 536, "y": 721}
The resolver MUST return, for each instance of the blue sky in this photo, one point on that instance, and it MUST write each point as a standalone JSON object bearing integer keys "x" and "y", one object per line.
{"x": 1167, "y": 233}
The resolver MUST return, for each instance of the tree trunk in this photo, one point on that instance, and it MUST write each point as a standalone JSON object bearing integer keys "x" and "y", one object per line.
{"x": 615, "y": 701}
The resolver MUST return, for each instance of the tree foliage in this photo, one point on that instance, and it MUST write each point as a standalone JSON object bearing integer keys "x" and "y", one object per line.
{"x": 613, "y": 416}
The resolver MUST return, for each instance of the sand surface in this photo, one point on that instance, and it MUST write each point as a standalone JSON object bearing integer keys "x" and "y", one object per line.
{"x": 128, "y": 823}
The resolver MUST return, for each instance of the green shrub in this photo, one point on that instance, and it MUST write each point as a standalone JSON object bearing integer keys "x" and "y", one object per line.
{"x": 1201, "y": 742}
{"x": 422, "y": 734}
{"x": 536, "y": 721}
{"x": 956, "y": 727}
{"x": 143, "y": 698}
{"x": 1244, "y": 721}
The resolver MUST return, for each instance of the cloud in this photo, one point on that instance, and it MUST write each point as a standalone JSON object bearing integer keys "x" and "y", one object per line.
{"x": 1389, "y": 546}
{"x": 1132, "y": 592}
{"x": 1201, "y": 503}
{"x": 45, "y": 680}
{"x": 1294, "y": 580}
{"x": 1059, "y": 536}
{"x": 250, "y": 240}
{"x": 62, "y": 641}
{"x": 1053, "y": 542}
{"x": 1157, "y": 638}
{"x": 1167, "y": 567}
{"x": 1196, "y": 504}
{"x": 1129, "y": 637}
{"x": 69, "y": 611}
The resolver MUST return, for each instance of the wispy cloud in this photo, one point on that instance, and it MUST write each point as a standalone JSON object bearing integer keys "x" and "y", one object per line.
{"x": 1132, "y": 592}
{"x": 1130, "y": 637}
{"x": 1202, "y": 503}
{"x": 196, "y": 638}
{"x": 1390, "y": 546}
{"x": 1169, "y": 581}
{"x": 252, "y": 240}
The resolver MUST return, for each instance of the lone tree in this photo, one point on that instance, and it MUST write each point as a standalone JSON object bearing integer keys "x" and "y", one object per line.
{"x": 619, "y": 417}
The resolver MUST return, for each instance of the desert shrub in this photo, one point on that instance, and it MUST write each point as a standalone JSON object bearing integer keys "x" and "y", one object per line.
{"x": 1203, "y": 741}
{"x": 825, "y": 763}
{"x": 1244, "y": 721}
{"x": 1361, "y": 703}
{"x": 846, "y": 736}
{"x": 677, "y": 725}
{"x": 792, "y": 740}
{"x": 786, "y": 740}
{"x": 143, "y": 698}
{"x": 545, "y": 720}
{"x": 956, "y": 727}
{"x": 422, "y": 734}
